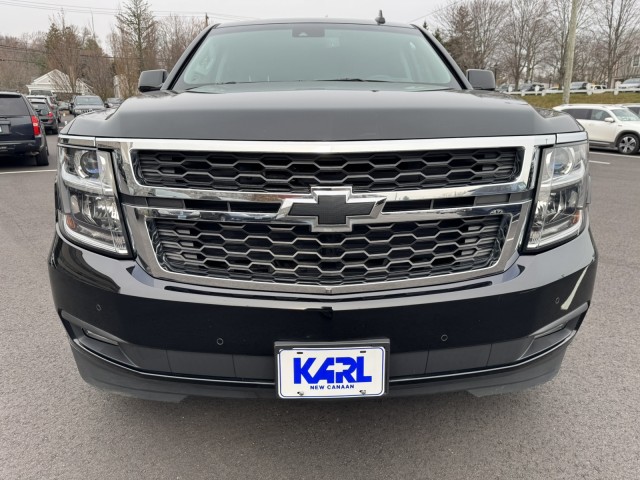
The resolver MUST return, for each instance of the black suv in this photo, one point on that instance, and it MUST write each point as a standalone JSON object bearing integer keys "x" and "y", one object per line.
{"x": 316, "y": 209}
{"x": 84, "y": 104}
{"x": 21, "y": 130}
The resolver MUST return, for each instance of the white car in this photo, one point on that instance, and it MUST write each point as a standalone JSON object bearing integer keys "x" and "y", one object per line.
{"x": 632, "y": 84}
{"x": 608, "y": 126}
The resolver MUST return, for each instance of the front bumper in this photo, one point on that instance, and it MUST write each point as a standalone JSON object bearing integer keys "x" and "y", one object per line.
{"x": 137, "y": 335}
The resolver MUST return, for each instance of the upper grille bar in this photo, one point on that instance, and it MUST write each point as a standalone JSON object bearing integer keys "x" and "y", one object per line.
{"x": 298, "y": 172}
{"x": 130, "y": 184}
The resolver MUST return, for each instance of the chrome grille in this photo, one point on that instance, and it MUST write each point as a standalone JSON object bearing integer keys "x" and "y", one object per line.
{"x": 292, "y": 254}
{"x": 297, "y": 172}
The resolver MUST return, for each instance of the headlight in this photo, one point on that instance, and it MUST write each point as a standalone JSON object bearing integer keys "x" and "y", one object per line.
{"x": 88, "y": 208}
{"x": 560, "y": 207}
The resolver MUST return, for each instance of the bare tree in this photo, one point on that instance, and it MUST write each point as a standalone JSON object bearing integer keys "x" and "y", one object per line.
{"x": 138, "y": 28}
{"x": 134, "y": 44}
{"x": 525, "y": 34}
{"x": 616, "y": 28}
{"x": 21, "y": 60}
{"x": 488, "y": 19}
{"x": 63, "y": 47}
{"x": 559, "y": 16}
{"x": 472, "y": 31}
{"x": 458, "y": 33}
{"x": 174, "y": 36}
{"x": 97, "y": 68}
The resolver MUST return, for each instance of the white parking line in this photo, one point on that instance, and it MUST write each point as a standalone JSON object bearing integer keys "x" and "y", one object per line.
{"x": 26, "y": 171}
{"x": 602, "y": 163}
{"x": 611, "y": 154}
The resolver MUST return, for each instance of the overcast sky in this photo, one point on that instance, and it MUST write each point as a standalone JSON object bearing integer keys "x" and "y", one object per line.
{"x": 27, "y": 16}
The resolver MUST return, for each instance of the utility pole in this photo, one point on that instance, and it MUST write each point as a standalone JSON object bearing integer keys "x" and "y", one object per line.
{"x": 570, "y": 51}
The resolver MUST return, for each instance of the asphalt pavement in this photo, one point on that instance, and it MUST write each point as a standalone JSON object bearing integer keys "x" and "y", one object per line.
{"x": 585, "y": 424}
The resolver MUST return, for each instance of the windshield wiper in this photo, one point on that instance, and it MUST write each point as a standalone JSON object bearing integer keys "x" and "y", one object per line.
{"x": 204, "y": 85}
{"x": 349, "y": 79}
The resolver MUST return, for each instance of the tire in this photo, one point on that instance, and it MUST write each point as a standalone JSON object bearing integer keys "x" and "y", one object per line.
{"x": 42, "y": 159}
{"x": 628, "y": 144}
{"x": 54, "y": 130}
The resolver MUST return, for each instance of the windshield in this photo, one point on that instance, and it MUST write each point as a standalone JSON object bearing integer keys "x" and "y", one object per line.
{"x": 315, "y": 52}
{"x": 632, "y": 80}
{"x": 41, "y": 108}
{"x": 625, "y": 115}
{"x": 88, "y": 101}
{"x": 12, "y": 105}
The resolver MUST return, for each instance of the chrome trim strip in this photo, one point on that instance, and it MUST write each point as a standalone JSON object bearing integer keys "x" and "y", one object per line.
{"x": 571, "y": 137}
{"x": 328, "y": 147}
{"x": 129, "y": 184}
{"x": 74, "y": 140}
{"x": 248, "y": 217}
{"x": 139, "y": 216}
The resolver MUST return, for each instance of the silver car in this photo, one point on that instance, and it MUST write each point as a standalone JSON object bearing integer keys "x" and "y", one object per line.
{"x": 631, "y": 85}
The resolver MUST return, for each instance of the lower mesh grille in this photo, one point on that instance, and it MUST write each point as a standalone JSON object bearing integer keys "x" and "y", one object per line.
{"x": 293, "y": 254}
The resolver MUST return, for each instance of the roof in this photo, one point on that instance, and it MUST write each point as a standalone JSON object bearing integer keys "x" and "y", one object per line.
{"x": 592, "y": 105}
{"x": 345, "y": 21}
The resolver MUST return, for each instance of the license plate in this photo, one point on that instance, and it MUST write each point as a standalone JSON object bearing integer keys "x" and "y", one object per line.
{"x": 332, "y": 370}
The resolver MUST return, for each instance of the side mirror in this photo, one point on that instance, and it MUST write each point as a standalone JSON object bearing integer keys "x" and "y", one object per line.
{"x": 151, "y": 80}
{"x": 481, "y": 79}
{"x": 609, "y": 120}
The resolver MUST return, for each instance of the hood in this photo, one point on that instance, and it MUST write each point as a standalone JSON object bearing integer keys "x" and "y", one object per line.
{"x": 321, "y": 114}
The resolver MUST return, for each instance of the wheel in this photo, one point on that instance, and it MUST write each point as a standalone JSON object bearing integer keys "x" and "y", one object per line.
{"x": 628, "y": 144}
{"x": 55, "y": 129}
{"x": 43, "y": 157}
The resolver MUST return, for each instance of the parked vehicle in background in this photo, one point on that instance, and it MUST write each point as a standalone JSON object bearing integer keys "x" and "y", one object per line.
{"x": 21, "y": 131}
{"x": 46, "y": 115}
{"x": 51, "y": 101}
{"x": 113, "y": 102}
{"x": 63, "y": 106}
{"x": 634, "y": 107}
{"x": 608, "y": 126}
{"x": 578, "y": 86}
{"x": 632, "y": 84}
{"x": 86, "y": 103}
{"x": 531, "y": 87}
{"x": 506, "y": 87}
{"x": 598, "y": 88}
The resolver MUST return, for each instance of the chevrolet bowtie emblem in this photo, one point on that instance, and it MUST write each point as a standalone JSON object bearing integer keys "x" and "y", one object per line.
{"x": 331, "y": 209}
